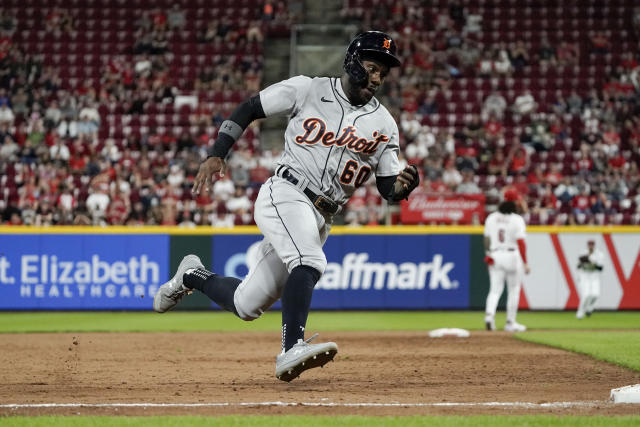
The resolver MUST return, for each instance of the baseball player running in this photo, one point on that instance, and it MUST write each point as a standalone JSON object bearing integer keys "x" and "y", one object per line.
{"x": 338, "y": 135}
{"x": 590, "y": 267}
{"x": 506, "y": 256}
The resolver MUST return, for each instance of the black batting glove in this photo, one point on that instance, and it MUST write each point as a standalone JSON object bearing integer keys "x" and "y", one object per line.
{"x": 406, "y": 182}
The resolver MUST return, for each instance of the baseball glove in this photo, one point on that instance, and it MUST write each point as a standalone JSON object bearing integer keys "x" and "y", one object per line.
{"x": 406, "y": 182}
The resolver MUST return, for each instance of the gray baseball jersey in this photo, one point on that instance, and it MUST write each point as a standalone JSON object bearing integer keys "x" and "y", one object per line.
{"x": 335, "y": 145}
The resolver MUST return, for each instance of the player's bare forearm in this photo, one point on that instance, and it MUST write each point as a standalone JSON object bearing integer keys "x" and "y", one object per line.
{"x": 204, "y": 178}
{"x": 232, "y": 128}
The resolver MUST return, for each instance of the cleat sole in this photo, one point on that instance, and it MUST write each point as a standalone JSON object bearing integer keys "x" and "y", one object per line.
{"x": 316, "y": 361}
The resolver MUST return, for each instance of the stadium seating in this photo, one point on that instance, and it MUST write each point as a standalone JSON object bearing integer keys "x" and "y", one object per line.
{"x": 94, "y": 59}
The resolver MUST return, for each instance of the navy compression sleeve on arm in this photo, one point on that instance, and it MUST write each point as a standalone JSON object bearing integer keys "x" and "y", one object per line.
{"x": 385, "y": 186}
{"x": 232, "y": 128}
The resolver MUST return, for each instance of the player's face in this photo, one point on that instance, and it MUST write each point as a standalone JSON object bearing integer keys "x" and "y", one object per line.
{"x": 377, "y": 72}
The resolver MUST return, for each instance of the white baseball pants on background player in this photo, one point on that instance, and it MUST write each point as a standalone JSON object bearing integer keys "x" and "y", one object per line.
{"x": 294, "y": 233}
{"x": 589, "y": 291}
{"x": 507, "y": 267}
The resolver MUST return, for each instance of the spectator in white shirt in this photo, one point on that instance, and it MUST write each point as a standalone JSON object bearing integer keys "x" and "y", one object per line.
{"x": 501, "y": 62}
{"x": 468, "y": 186}
{"x": 473, "y": 23}
{"x": 525, "y": 103}
{"x": 496, "y": 104}
{"x": 221, "y": 220}
{"x": 239, "y": 203}
{"x": 451, "y": 176}
{"x": 59, "y": 151}
{"x": 97, "y": 204}
{"x": 9, "y": 149}
{"x": 6, "y": 115}
{"x": 224, "y": 188}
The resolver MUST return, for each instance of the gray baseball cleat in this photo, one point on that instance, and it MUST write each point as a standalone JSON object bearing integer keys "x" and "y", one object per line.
{"x": 171, "y": 293}
{"x": 303, "y": 356}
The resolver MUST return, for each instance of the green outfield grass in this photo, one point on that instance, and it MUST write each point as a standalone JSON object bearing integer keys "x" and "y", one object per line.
{"x": 621, "y": 348}
{"x": 318, "y": 321}
{"x": 321, "y": 421}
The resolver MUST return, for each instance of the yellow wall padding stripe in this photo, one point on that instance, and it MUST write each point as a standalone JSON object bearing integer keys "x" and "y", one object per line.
{"x": 401, "y": 229}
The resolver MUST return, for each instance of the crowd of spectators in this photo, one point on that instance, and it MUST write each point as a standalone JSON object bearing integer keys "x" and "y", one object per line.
{"x": 125, "y": 149}
{"x": 475, "y": 110}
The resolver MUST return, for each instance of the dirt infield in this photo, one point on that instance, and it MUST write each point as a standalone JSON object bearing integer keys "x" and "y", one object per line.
{"x": 236, "y": 371}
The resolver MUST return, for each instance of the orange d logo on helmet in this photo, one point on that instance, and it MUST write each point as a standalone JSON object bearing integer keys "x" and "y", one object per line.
{"x": 386, "y": 43}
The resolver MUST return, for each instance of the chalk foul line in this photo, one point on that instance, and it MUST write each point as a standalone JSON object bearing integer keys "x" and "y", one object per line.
{"x": 310, "y": 404}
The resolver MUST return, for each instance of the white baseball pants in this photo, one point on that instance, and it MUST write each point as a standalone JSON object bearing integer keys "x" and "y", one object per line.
{"x": 507, "y": 267}
{"x": 294, "y": 233}
{"x": 588, "y": 290}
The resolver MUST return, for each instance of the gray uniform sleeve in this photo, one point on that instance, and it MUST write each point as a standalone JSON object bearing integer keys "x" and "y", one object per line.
{"x": 285, "y": 97}
{"x": 389, "y": 164}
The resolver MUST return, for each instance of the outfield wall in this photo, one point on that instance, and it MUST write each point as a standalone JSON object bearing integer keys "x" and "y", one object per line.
{"x": 62, "y": 268}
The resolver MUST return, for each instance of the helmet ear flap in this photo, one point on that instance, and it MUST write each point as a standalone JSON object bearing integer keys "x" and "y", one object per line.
{"x": 355, "y": 70}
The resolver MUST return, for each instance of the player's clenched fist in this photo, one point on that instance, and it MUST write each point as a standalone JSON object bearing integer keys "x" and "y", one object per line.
{"x": 204, "y": 178}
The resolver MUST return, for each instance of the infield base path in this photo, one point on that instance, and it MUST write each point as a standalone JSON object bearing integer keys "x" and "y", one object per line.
{"x": 387, "y": 373}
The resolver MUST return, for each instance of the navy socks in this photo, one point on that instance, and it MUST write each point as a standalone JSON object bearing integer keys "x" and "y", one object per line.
{"x": 296, "y": 299}
{"x": 218, "y": 288}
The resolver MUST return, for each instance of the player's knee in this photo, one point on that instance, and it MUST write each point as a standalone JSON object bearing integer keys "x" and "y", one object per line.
{"x": 317, "y": 262}
{"x": 248, "y": 306}
{"x": 246, "y": 317}
{"x": 247, "y": 313}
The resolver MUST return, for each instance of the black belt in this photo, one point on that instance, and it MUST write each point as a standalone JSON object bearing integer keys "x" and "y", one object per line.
{"x": 324, "y": 204}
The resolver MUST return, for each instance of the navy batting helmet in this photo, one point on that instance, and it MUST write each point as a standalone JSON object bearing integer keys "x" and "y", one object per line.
{"x": 372, "y": 44}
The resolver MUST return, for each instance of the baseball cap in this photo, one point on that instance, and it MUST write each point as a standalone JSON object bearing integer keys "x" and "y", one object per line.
{"x": 511, "y": 195}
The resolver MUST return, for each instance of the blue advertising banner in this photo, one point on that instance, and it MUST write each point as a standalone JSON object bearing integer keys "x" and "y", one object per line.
{"x": 81, "y": 272}
{"x": 376, "y": 271}
{"x": 229, "y": 253}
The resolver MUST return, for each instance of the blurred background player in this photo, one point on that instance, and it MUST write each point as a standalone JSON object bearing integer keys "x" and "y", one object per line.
{"x": 506, "y": 257}
{"x": 590, "y": 268}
